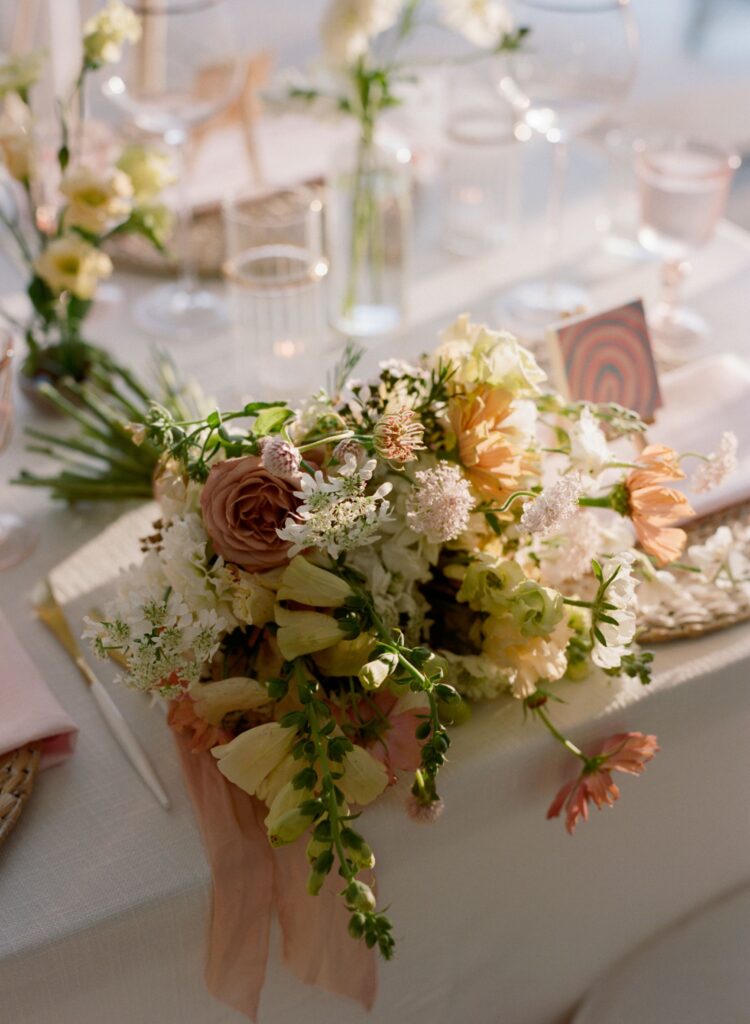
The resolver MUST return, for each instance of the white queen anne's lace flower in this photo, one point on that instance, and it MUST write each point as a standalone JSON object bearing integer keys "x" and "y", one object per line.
{"x": 620, "y": 593}
{"x": 441, "y": 503}
{"x": 554, "y": 505}
{"x": 336, "y": 514}
{"x": 349, "y": 25}
{"x": 718, "y": 466}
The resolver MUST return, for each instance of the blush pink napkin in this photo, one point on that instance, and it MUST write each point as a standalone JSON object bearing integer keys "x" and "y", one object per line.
{"x": 28, "y": 710}
{"x": 249, "y": 879}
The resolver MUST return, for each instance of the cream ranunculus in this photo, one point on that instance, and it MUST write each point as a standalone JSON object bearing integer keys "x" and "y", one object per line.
{"x": 528, "y": 660}
{"x": 306, "y": 583}
{"x": 70, "y": 264}
{"x": 482, "y": 356}
{"x": 105, "y": 34}
{"x": 96, "y": 201}
{"x": 17, "y": 139}
{"x": 364, "y": 778}
{"x": 18, "y": 72}
{"x": 305, "y": 632}
{"x": 148, "y": 169}
{"x": 250, "y": 758}
{"x": 213, "y": 701}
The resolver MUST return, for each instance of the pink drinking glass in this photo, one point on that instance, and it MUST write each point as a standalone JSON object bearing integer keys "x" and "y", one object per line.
{"x": 683, "y": 187}
{"x": 17, "y": 538}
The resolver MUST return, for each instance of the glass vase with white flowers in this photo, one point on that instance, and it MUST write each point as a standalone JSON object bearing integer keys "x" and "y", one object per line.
{"x": 59, "y": 239}
{"x": 361, "y": 76}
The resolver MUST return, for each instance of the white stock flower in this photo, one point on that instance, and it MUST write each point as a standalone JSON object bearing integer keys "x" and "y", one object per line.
{"x": 96, "y": 201}
{"x": 349, "y": 25}
{"x": 17, "y": 139}
{"x": 70, "y": 264}
{"x": 482, "y": 22}
{"x": 589, "y": 449}
{"x": 718, "y": 466}
{"x": 19, "y": 71}
{"x": 554, "y": 506}
{"x": 107, "y": 31}
{"x": 620, "y": 593}
{"x": 441, "y": 503}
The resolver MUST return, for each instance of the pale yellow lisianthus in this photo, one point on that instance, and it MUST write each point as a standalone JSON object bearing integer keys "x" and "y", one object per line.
{"x": 364, "y": 777}
{"x": 305, "y": 632}
{"x": 96, "y": 201}
{"x": 306, "y": 583}
{"x": 105, "y": 34}
{"x": 250, "y": 758}
{"x": 18, "y": 72}
{"x": 214, "y": 701}
{"x": 17, "y": 139}
{"x": 70, "y": 264}
{"x": 148, "y": 169}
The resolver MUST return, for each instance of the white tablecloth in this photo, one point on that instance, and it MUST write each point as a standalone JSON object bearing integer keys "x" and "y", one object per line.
{"x": 499, "y": 915}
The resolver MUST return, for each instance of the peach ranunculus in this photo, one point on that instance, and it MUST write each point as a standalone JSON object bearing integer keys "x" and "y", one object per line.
{"x": 653, "y": 507}
{"x": 488, "y": 446}
{"x": 627, "y": 752}
{"x": 243, "y": 506}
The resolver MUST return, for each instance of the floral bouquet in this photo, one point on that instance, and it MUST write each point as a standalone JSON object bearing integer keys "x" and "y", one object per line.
{"x": 60, "y": 240}
{"x": 330, "y": 589}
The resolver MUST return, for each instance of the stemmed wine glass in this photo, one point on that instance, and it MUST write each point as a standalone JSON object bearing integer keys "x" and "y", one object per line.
{"x": 683, "y": 186}
{"x": 17, "y": 538}
{"x": 183, "y": 71}
{"x": 576, "y": 64}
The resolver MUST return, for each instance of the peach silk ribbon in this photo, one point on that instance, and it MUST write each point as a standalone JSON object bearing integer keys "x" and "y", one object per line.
{"x": 249, "y": 879}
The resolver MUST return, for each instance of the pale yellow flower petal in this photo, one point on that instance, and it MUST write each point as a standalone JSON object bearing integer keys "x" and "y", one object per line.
{"x": 364, "y": 778}
{"x": 252, "y": 756}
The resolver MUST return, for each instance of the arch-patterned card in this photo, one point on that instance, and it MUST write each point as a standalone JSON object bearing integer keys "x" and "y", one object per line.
{"x": 608, "y": 358}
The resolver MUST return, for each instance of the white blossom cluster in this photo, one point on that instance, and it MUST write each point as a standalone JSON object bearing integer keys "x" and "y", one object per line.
{"x": 336, "y": 513}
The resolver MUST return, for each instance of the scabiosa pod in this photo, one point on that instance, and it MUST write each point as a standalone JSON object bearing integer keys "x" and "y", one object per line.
{"x": 398, "y": 436}
{"x": 280, "y": 458}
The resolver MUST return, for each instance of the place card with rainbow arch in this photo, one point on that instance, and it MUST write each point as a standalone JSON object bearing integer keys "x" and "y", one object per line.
{"x": 607, "y": 358}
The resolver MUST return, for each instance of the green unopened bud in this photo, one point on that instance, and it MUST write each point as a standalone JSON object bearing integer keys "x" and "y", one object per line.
{"x": 289, "y": 827}
{"x": 357, "y": 925}
{"x": 578, "y": 670}
{"x": 363, "y": 858}
{"x": 373, "y": 674}
{"x": 456, "y": 712}
{"x": 359, "y": 896}
{"x": 315, "y": 882}
{"x": 315, "y": 847}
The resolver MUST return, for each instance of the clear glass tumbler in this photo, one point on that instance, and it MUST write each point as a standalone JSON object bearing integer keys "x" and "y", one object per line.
{"x": 276, "y": 272}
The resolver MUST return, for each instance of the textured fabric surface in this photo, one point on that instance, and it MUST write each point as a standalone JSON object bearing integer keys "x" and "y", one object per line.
{"x": 499, "y": 915}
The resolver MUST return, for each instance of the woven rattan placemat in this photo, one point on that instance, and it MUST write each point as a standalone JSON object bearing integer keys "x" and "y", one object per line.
{"x": 17, "y": 774}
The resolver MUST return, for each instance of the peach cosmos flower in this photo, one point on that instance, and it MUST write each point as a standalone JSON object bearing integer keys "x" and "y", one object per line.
{"x": 488, "y": 446}
{"x": 653, "y": 507}
{"x": 243, "y": 507}
{"x": 627, "y": 752}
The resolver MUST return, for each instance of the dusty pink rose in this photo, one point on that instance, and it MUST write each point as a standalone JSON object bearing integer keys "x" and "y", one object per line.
{"x": 627, "y": 752}
{"x": 243, "y": 507}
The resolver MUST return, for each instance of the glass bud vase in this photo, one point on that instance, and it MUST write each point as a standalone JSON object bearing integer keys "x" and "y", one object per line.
{"x": 368, "y": 227}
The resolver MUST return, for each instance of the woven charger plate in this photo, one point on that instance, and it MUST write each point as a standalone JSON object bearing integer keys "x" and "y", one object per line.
{"x": 17, "y": 774}
{"x": 733, "y": 604}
